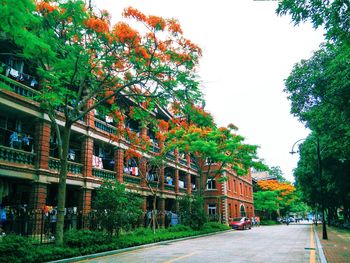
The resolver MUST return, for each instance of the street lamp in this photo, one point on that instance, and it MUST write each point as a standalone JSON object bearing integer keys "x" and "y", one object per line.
{"x": 319, "y": 159}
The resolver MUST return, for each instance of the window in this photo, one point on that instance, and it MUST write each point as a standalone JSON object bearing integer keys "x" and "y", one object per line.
{"x": 229, "y": 211}
{"x": 229, "y": 185}
{"x": 211, "y": 209}
{"x": 241, "y": 188}
{"x": 234, "y": 186}
{"x": 211, "y": 184}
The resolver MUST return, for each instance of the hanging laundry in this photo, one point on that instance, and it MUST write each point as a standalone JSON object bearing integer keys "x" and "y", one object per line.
{"x": 134, "y": 171}
{"x": 33, "y": 82}
{"x": 109, "y": 119}
{"x": 14, "y": 73}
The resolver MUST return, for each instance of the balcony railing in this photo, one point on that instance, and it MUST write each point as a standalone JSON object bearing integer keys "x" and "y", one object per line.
{"x": 131, "y": 179}
{"x": 193, "y": 166}
{"x": 18, "y": 88}
{"x": 170, "y": 155}
{"x": 75, "y": 168}
{"x": 182, "y": 190}
{"x": 154, "y": 184}
{"x": 183, "y": 161}
{"x": 169, "y": 187}
{"x": 105, "y": 126}
{"x": 16, "y": 156}
{"x": 104, "y": 174}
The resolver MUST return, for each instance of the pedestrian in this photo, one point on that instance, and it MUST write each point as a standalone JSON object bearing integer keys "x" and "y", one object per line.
{"x": 257, "y": 220}
{"x": 253, "y": 221}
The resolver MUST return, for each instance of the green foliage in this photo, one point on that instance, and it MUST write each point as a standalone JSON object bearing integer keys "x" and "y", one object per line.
{"x": 18, "y": 249}
{"x": 214, "y": 226}
{"x": 318, "y": 89}
{"x": 116, "y": 208}
{"x": 85, "y": 238}
{"x": 266, "y": 201}
{"x": 191, "y": 211}
{"x": 268, "y": 222}
{"x": 332, "y": 15}
{"x": 13, "y": 248}
{"x": 179, "y": 228}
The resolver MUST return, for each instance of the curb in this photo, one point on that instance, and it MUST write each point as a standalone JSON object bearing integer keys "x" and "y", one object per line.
{"x": 319, "y": 247}
{"x": 118, "y": 251}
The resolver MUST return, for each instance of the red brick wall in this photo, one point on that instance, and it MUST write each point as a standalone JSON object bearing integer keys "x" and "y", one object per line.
{"x": 119, "y": 164}
{"x": 87, "y": 148}
{"x": 42, "y": 144}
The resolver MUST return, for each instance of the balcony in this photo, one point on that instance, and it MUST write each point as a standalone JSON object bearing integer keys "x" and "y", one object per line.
{"x": 74, "y": 168}
{"x": 104, "y": 174}
{"x": 169, "y": 187}
{"x": 170, "y": 155}
{"x": 16, "y": 156}
{"x": 105, "y": 126}
{"x": 131, "y": 179}
{"x": 17, "y": 87}
{"x": 193, "y": 166}
{"x": 183, "y": 161}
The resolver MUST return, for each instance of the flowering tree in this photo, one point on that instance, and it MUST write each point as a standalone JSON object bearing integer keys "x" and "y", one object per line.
{"x": 274, "y": 195}
{"x": 214, "y": 148}
{"x": 85, "y": 63}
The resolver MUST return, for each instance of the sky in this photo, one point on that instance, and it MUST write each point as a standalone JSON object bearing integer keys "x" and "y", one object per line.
{"x": 248, "y": 51}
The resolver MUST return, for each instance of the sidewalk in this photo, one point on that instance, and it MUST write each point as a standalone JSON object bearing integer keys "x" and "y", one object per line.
{"x": 337, "y": 247}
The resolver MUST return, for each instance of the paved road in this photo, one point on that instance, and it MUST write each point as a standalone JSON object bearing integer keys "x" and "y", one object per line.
{"x": 263, "y": 244}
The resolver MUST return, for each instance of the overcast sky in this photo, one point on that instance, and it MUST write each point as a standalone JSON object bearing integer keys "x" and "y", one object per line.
{"x": 247, "y": 53}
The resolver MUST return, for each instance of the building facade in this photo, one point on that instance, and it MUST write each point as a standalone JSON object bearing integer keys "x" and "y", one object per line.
{"x": 29, "y": 164}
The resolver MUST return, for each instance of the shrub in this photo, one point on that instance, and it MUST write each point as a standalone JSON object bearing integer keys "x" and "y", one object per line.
{"x": 85, "y": 238}
{"x": 14, "y": 248}
{"x": 268, "y": 222}
{"x": 215, "y": 226}
{"x": 179, "y": 228}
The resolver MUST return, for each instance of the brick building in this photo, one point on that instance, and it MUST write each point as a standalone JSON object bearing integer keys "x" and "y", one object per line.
{"x": 29, "y": 163}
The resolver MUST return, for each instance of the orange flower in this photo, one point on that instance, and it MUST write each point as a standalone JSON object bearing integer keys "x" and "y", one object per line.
{"x": 174, "y": 26}
{"x": 156, "y": 22}
{"x": 126, "y": 34}
{"x": 96, "y": 24}
{"x": 163, "y": 125}
{"x": 134, "y": 13}
{"x": 111, "y": 99}
{"x": 43, "y": 6}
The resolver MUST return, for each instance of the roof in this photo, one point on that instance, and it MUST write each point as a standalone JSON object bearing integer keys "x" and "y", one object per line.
{"x": 261, "y": 176}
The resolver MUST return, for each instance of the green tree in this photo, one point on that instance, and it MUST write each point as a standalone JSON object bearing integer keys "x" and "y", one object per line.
{"x": 191, "y": 211}
{"x": 115, "y": 208}
{"x": 266, "y": 201}
{"x": 85, "y": 63}
{"x": 277, "y": 173}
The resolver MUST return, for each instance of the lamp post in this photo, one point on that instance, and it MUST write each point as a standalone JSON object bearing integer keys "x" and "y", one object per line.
{"x": 319, "y": 166}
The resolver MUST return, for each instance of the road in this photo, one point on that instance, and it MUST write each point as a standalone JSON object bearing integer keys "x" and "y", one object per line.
{"x": 261, "y": 244}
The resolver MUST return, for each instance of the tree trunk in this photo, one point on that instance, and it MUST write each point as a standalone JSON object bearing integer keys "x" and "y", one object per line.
{"x": 61, "y": 197}
{"x": 154, "y": 214}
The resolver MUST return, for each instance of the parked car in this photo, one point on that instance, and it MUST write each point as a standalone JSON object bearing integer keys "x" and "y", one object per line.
{"x": 240, "y": 223}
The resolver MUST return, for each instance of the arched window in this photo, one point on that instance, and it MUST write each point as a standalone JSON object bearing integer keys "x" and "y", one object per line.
{"x": 242, "y": 211}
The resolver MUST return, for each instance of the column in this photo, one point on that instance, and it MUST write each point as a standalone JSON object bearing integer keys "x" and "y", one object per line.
{"x": 36, "y": 203}
{"x": 87, "y": 150}
{"x": 90, "y": 116}
{"x": 38, "y": 196}
{"x": 119, "y": 164}
{"x": 84, "y": 208}
{"x": 42, "y": 144}
{"x": 142, "y": 173}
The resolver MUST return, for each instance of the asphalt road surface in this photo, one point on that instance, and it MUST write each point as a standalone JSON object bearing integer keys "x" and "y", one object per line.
{"x": 293, "y": 243}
